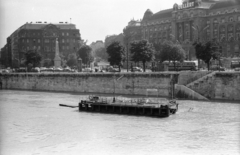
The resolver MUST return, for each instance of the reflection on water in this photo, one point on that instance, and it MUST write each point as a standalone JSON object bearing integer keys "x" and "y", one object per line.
{"x": 33, "y": 123}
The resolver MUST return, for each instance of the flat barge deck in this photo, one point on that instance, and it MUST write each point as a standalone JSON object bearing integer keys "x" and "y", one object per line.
{"x": 127, "y": 109}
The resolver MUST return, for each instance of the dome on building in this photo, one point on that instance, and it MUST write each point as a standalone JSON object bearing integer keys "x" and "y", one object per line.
{"x": 147, "y": 14}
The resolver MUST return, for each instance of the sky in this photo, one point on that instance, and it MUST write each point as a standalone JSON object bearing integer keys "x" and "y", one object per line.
{"x": 94, "y": 18}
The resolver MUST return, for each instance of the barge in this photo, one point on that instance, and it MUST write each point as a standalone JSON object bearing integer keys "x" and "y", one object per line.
{"x": 153, "y": 107}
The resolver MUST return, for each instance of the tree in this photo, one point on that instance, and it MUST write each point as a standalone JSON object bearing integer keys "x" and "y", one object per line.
{"x": 72, "y": 60}
{"x": 116, "y": 54}
{"x": 206, "y": 51}
{"x": 142, "y": 51}
{"x": 85, "y": 53}
{"x": 176, "y": 54}
{"x": 33, "y": 58}
{"x": 163, "y": 50}
{"x": 101, "y": 53}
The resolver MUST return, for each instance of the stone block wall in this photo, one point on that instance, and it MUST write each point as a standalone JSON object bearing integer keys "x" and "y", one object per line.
{"x": 227, "y": 86}
{"x": 186, "y": 77}
{"x": 110, "y": 83}
{"x": 221, "y": 86}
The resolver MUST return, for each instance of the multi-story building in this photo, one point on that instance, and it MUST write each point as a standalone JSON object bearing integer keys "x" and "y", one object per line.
{"x": 191, "y": 21}
{"x": 42, "y": 37}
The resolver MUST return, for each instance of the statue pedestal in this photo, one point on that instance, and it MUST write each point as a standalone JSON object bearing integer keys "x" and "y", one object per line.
{"x": 57, "y": 62}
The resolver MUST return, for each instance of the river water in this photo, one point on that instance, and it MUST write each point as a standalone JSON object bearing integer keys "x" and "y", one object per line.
{"x": 33, "y": 123}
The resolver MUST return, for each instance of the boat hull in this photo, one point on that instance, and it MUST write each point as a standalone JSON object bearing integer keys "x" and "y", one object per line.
{"x": 123, "y": 109}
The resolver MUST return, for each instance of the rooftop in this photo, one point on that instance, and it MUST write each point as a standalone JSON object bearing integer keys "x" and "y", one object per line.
{"x": 40, "y": 25}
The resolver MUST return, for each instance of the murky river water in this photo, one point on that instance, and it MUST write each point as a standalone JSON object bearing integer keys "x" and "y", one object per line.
{"x": 33, "y": 123}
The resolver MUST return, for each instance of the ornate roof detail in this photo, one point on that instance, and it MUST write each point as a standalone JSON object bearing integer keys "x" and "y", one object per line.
{"x": 147, "y": 14}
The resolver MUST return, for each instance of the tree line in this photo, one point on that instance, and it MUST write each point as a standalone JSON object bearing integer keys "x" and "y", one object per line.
{"x": 139, "y": 52}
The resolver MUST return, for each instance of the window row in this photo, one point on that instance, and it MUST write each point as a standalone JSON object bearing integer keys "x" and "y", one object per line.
{"x": 46, "y": 48}
{"x": 49, "y": 40}
{"x": 24, "y": 34}
{"x": 223, "y": 20}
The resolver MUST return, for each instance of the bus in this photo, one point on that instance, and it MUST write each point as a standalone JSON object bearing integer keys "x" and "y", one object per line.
{"x": 180, "y": 66}
{"x": 235, "y": 64}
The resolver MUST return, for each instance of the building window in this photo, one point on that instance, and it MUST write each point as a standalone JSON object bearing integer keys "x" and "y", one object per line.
{"x": 34, "y": 40}
{"x": 27, "y": 41}
{"x": 39, "y": 41}
{"x": 22, "y": 40}
{"x": 223, "y": 20}
{"x": 39, "y": 47}
{"x": 239, "y": 18}
{"x": 62, "y": 33}
{"x": 63, "y": 47}
{"x": 231, "y": 19}
{"x": 67, "y": 40}
{"x": 46, "y": 40}
{"x": 67, "y": 34}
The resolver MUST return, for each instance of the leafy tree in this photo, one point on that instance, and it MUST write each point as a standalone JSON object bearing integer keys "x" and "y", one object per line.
{"x": 72, "y": 60}
{"x": 101, "y": 53}
{"x": 85, "y": 53}
{"x": 163, "y": 50}
{"x": 206, "y": 51}
{"x": 33, "y": 58}
{"x": 116, "y": 54}
{"x": 142, "y": 51}
{"x": 176, "y": 54}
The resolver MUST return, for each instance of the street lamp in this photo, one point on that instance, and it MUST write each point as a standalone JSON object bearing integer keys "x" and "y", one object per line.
{"x": 127, "y": 39}
{"x": 79, "y": 65}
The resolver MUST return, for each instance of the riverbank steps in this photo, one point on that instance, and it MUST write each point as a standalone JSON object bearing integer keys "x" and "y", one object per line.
{"x": 218, "y": 86}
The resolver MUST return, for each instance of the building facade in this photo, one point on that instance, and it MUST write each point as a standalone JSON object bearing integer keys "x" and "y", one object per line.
{"x": 41, "y": 37}
{"x": 191, "y": 21}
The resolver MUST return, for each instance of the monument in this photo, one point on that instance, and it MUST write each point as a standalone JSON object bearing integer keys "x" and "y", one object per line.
{"x": 57, "y": 59}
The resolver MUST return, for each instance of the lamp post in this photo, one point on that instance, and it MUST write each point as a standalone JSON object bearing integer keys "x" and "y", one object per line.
{"x": 79, "y": 65}
{"x": 127, "y": 39}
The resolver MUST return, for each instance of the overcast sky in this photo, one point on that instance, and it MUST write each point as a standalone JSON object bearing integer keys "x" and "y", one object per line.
{"x": 94, "y": 18}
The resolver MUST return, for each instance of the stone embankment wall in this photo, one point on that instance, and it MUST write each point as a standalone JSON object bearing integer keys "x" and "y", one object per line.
{"x": 118, "y": 83}
{"x": 186, "y": 77}
{"x": 221, "y": 86}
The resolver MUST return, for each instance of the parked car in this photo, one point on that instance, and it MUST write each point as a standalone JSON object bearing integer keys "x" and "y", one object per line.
{"x": 237, "y": 69}
{"x": 137, "y": 69}
{"x": 5, "y": 71}
{"x": 111, "y": 69}
{"x": 87, "y": 70}
{"x": 36, "y": 69}
{"x": 217, "y": 68}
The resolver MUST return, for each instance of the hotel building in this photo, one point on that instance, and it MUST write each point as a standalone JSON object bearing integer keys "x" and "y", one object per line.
{"x": 193, "y": 20}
